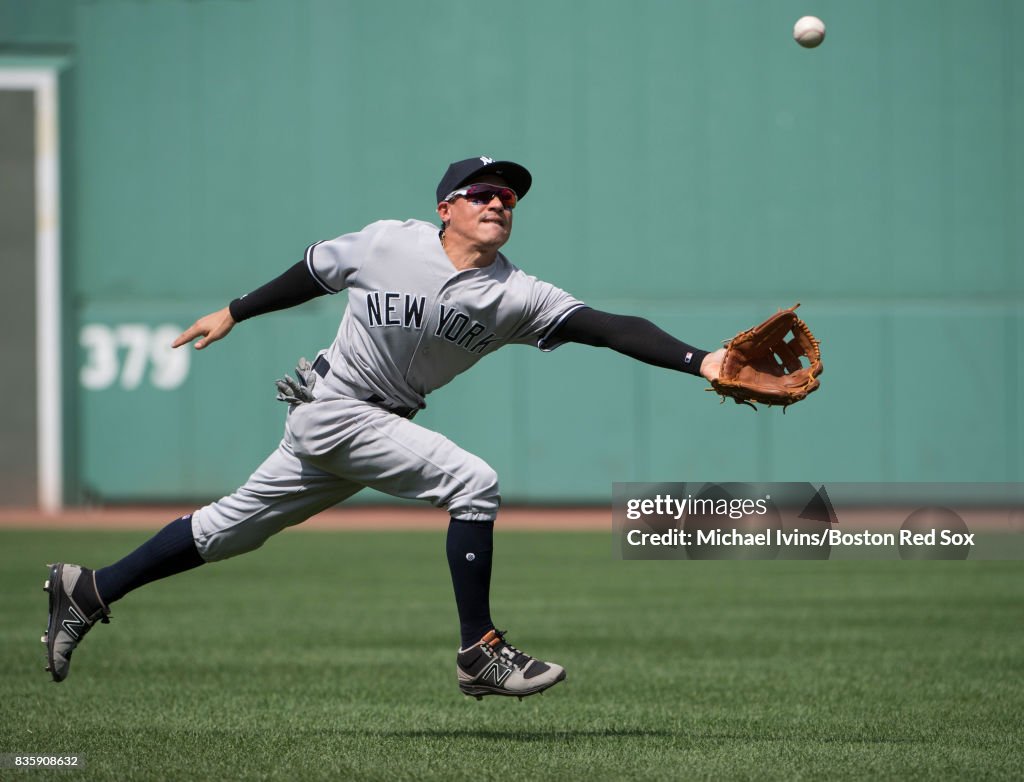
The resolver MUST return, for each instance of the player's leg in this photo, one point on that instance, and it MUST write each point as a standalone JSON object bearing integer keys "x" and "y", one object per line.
{"x": 286, "y": 490}
{"x": 469, "y": 547}
{"x": 403, "y": 459}
{"x": 282, "y": 492}
{"x": 170, "y": 551}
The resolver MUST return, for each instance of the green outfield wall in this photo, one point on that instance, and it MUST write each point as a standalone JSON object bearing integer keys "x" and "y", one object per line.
{"x": 692, "y": 165}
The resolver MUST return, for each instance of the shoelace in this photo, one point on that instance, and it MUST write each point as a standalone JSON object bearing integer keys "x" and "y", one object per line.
{"x": 520, "y": 659}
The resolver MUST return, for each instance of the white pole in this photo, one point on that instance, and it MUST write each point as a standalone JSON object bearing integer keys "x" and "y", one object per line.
{"x": 49, "y": 413}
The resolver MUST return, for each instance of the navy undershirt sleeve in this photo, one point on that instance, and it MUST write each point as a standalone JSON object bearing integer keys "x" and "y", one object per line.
{"x": 296, "y": 286}
{"x": 632, "y": 336}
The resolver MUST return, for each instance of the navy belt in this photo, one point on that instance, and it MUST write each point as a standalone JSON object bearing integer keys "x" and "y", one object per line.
{"x": 322, "y": 366}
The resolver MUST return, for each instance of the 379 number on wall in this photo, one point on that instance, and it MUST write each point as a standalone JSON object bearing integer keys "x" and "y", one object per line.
{"x": 130, "y": 354}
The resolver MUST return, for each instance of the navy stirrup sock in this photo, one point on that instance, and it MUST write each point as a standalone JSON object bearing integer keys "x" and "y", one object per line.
{"x": 171, "y": 550}
{"x": 470, "y": 546}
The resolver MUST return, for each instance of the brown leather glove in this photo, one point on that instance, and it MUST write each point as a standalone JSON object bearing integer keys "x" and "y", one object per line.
{"x": 763, "y": 365}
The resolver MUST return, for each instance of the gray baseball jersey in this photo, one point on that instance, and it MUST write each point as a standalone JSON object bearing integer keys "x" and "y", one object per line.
{"x": 413, "y": 322}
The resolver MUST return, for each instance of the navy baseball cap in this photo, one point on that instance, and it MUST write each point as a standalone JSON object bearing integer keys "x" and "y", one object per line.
{"x": 464, "y": 171}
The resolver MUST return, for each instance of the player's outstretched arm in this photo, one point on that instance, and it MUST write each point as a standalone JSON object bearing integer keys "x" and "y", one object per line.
{"x": 640, "y": 339}
{"x": 295, "y": 286}
{"x": 210, "y": 327}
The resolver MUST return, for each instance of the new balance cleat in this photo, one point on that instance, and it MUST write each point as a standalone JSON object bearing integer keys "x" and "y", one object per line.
{"x": 75, "y": 606}
{"x": 495, "y": 667}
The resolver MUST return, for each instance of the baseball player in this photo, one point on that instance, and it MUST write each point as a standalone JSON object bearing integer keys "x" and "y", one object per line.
{"x": 424, "y": 305}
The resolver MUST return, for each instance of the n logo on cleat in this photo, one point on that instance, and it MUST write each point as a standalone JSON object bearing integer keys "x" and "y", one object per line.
{"x": 74, "y": 623}
{"x": 496, "y": 673}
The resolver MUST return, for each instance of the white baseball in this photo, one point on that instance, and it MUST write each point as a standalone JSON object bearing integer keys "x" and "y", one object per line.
{"x": 809, "y": 31}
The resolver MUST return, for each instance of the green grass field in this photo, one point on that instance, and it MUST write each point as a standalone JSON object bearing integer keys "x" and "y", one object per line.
{"x": 331, "y": 656}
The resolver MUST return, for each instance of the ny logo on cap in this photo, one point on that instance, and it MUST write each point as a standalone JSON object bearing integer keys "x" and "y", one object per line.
{"x": 486, "y": 160}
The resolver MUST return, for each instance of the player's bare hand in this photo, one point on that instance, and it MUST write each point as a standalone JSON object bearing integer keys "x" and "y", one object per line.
{"x": 210, "y": 327}
{"x": 711, "y": 366}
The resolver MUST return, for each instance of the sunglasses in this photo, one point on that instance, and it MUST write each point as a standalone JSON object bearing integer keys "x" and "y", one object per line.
{"x": 484, "y": 194}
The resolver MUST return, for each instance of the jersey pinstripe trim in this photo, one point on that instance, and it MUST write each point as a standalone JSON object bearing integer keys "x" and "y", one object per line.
{"x": 542, "y": 343}
{"x": 312, "y": 269}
